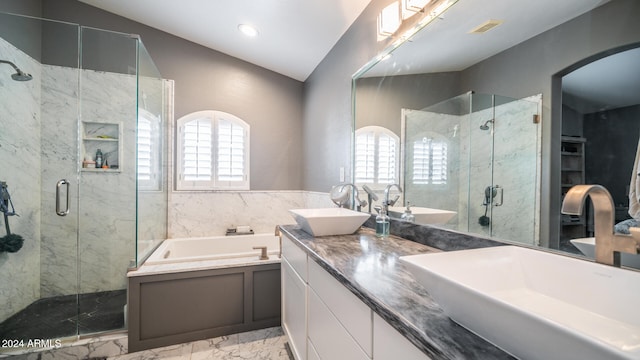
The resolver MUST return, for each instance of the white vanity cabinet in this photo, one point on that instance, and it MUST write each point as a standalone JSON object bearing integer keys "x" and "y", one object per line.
{"x": 340, "y": 325}
{"x": 323, "y": 320}
{"x": 389, "y": 344}
{"x": 294, "y": 297}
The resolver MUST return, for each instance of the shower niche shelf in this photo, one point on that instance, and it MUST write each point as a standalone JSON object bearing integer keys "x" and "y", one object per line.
{"x": 106, "y": 137}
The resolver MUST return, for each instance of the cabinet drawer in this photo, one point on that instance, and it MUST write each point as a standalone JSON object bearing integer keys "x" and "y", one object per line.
{"x": 353, "y": 314}
{"x": 328, "y": 337}
{"x": 295, "y": 256}
{"x": 389, "y": 344}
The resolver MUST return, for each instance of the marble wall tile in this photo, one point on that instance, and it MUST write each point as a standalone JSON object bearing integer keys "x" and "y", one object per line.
{"x": 20, "y": 168}
{"x": 196, "y": 214}
{"x": 103, "y": 203}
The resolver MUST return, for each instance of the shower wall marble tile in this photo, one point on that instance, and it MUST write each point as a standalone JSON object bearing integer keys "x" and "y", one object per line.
{"x": 104, "y": 202}
{"x": 196, "y": 214}
{"x": 20, "y": 168}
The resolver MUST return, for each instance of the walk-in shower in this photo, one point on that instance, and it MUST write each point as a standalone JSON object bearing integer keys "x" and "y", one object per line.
{"x": 19, "y": 75}
{"x": 82, "y": 226}
{"x": 482, "y": 162}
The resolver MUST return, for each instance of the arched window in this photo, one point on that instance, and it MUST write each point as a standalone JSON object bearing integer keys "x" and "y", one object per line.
{"x": 149, "y": 143}
{"x": 213, "y": 152}
{"x": 377, "y": 156}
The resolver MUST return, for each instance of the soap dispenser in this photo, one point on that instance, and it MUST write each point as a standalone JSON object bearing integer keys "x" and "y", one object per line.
{"x": 382, "y": 223}
{"x": 407, "y": 215}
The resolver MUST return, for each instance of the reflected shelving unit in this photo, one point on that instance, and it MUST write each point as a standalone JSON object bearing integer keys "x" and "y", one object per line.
{"x": 572, "y": 173}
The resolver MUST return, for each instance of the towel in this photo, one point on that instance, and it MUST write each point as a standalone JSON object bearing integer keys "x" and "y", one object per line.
{"x": 634, "y": 188}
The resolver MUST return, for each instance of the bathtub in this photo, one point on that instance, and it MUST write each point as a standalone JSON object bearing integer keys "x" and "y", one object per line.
{"x": 199, "y": 288}
{"x": 213, "y": 248}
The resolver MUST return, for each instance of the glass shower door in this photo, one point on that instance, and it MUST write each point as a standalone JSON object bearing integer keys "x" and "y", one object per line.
{"x": 107, "y": 225}
{"x": 39, "y": 157}
{"x": 503, "y": 182}
{"x": 515, "y": 169}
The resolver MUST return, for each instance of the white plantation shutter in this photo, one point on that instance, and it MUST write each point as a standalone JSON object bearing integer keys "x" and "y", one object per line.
{"x": 439, "y": 163}
{"x": 386, "y": 159}
{"x": 377, "y": 156}
{"x": 231, "y": 139}
{"x": 149, "y": 154}
{"x": 197, "y": 150}
{"x": 144, "y": 149}
{"x": 365, "y": 157}
{"x": 420, "y": 162}
{"x": 213, "y": 152}
{"x": 429, "y": 162}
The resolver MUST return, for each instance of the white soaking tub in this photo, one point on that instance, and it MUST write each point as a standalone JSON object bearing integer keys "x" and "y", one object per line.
{"x": 213, "y": 248}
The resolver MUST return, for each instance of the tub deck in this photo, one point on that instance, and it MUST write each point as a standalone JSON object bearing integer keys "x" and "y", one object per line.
{"x": 172, "y": 303}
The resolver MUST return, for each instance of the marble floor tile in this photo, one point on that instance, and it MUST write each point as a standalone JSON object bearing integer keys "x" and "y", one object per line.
{"x": 266, "y": 344}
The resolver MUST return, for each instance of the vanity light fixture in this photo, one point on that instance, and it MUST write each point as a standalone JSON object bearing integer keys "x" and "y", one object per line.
{"x": 248, "y": 30}
{"x": 389, "y": 19}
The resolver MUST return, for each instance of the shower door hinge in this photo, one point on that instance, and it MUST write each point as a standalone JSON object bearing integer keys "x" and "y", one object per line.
{"x": 536, "y": 119}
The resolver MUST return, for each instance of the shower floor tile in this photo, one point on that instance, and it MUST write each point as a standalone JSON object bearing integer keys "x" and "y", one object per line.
{"x": 57, "y": 317}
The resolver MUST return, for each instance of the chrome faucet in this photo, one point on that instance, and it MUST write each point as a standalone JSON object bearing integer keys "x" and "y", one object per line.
{"x": 608, "y": 244}
{"x": 356, "y": 204}
{"x": 387, "y": 202}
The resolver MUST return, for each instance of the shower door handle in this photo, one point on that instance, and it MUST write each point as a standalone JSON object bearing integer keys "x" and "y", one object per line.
{"x": 60, "y": 212}
{"x": 500, "y": 191}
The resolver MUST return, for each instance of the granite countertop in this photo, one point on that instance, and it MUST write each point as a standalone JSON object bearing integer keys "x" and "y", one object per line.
{"x": 369, "y": 268}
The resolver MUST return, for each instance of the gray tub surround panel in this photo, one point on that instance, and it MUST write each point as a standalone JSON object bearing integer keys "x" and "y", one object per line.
{"x": 173, "y": 308}
{"x": 369, "y": 268}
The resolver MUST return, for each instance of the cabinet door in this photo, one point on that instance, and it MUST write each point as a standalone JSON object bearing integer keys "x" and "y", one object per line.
{"x": 389, "y": 344}
{"x": 294, "y": 312}
{"x": 328, "y": 336}
{"x": 352, "y": 313}
{"x": 313, "y": 354}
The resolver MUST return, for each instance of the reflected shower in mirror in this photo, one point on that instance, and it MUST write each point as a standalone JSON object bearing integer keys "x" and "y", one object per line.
{"x": 528, "y": 56}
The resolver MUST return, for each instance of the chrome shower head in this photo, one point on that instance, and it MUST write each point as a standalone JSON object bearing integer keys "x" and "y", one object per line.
{"x": 19, "y": 75}
{"x": 485, "y": 126}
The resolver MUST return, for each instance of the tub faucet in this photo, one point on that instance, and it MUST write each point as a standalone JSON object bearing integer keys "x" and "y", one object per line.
{"x": 608, "y": 244}
{"x": 387, "y": 202}
{"x": 357, "y": 204}
{"x": 263, "y": 252}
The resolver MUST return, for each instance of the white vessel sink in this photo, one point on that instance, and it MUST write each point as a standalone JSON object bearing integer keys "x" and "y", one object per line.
{"x": 588, "y": 247}
{"x": 329, "y": 221}
{"x": 534, "y": 304}
{"x": 424, "y": 215}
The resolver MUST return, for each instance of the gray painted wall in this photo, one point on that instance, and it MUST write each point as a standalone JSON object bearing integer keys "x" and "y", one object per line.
{"x": 327, "y": 102}
{"x": 23, "y": 34}
{"x": 378, "y": 101}
{"x": 206, "y": 79}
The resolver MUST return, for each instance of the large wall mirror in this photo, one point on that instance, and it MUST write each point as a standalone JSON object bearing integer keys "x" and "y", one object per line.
{"x": 491, "y": 112}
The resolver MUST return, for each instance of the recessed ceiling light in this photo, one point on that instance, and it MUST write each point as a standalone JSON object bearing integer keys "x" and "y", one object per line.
{"x": 248, "y": 30}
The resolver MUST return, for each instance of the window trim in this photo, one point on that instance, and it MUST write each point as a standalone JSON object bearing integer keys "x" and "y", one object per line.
{"x": 213, "y": 184}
